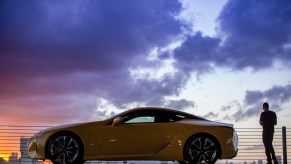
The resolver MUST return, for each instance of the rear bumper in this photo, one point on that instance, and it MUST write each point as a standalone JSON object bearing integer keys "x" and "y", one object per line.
{"x": 230, "y": 146}
{"x": 234, "y": 144}
{"x": 234, "y": 154}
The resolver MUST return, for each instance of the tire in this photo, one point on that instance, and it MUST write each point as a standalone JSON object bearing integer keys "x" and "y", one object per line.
{"x": 202, "y": 149}
{"x": 65, "y": 148}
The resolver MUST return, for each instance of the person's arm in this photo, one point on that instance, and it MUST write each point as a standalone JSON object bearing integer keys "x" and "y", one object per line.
{"x": 275, "y": 119}
{"x": 261, "y": 120}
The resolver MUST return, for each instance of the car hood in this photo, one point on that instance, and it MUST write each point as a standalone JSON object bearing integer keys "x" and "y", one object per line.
{"x": 67, "y": 127}
{"x": 72, "y": 126}
{"x": 64, "y": 126}
{"x": 207, "y": 123}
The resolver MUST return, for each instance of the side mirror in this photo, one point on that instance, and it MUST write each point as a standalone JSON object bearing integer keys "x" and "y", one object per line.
{"x": 117, "y": 121}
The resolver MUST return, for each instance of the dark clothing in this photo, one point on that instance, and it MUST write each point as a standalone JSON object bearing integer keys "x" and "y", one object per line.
{"x": 269, "y": 120}
{"x": 269, "y": 150}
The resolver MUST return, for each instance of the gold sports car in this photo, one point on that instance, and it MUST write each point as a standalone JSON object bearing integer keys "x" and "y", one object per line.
{"x": 138, "y": 134}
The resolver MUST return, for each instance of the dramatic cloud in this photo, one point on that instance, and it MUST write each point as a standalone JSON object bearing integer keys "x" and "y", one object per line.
{"x": 45, "y": 38}
{"x": 62, "y": 56}
{"x": 255, "y": 33}
{"x": 275, "y": 96}
{"x": 180, "y": 104}
{"x": 211, "y": 115}
{"x": 196, "y": 53}
{"x": 251, "y": 34}
{"x": 59, "y": 58}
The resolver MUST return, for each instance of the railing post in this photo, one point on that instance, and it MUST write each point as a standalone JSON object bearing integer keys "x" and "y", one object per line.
{"x": 284, "y": 145}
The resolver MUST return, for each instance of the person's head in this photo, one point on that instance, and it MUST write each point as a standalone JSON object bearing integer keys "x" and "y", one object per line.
{"x": 266, "y": 106}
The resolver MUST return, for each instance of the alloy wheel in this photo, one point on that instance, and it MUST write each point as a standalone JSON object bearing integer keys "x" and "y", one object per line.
{"x": 64, "y": 150}
{"x": 202, "y": 150}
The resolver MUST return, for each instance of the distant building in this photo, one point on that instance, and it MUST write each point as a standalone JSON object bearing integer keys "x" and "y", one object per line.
{"x": 24, "y": 154}
{"x": 279, "y": 159}
{"x": 260, "y": 161}
{"x": 13, "y": 158}
{"x": 2, "y": 161}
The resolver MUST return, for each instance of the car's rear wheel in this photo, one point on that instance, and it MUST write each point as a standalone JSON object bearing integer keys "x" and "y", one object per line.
{"x": 202, "y": 149}
{"x": 65, "y": 149}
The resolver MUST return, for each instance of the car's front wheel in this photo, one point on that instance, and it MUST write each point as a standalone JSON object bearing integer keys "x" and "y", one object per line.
{"x": 202, "y": 149}
{"x": 65, "y": 149}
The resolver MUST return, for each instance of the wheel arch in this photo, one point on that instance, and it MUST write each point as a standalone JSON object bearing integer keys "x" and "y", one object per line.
{"x": 202, "y": 134}
{"x": 64, "y": 132}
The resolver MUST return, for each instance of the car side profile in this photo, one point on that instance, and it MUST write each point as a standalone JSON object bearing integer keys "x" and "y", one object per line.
{"x": 138, "y": 134}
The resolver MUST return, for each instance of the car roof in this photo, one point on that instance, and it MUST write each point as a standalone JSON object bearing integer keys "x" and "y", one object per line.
{"x": 159, "y": 109}
{"x": 154, "y": 108}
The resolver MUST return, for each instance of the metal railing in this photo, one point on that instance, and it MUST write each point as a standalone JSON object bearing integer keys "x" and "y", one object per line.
{"x": 251, "y": 149}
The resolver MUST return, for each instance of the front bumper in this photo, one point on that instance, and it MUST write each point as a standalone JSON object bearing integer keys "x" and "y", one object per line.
{"x": 36, "y": 148}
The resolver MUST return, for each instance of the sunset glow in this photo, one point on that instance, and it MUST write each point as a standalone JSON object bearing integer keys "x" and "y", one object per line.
{"x": 72, "y": 61}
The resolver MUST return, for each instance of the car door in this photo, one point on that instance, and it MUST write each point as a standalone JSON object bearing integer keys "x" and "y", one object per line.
{"x": 138, "y": 134}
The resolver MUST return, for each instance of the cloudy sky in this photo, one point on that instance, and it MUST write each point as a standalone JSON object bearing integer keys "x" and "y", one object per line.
{"x": 71, "y": 61}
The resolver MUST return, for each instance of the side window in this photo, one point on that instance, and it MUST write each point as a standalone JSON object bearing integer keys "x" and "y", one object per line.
{"x": 142, "y": 119}
{"x": 170, "y": 117}
{"x": 136, "y": 117}
{"x": 178, "y": 117}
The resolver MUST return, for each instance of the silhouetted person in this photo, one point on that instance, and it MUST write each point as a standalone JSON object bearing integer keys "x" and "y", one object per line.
{"x": 268, "y": 120}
